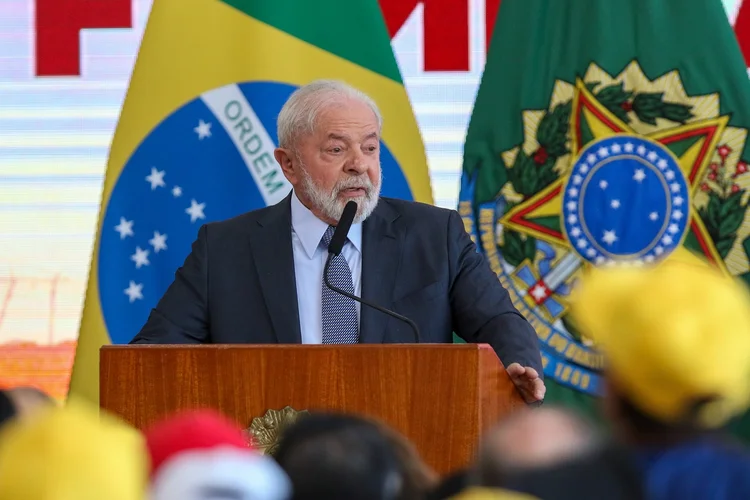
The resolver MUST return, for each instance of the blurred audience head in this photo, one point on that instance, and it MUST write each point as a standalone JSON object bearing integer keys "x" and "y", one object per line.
{"x": 677, "y": 343}
{"x": 201, "y": 455}
{"x": 71, "y": 453}
{"x": 607, "y": 471}
{"x": 555, "y": 454}
{"x": 530, "y": 439}
{"x": 340, "y": 457}
{"x": 22, "y": 402}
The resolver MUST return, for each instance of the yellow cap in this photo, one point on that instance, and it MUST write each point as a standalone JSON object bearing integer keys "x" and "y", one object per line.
{"x": 71, "y": 453}
{"x": 478, "y": 493}
{"x": 671, "y": 334}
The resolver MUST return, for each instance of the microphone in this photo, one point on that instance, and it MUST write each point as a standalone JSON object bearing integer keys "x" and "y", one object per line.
{"x": 334, "y": 248}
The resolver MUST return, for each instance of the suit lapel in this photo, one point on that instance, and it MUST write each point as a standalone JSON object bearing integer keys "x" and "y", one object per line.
{"x": 381, "y": 253}
{"x": 271, "y": 245}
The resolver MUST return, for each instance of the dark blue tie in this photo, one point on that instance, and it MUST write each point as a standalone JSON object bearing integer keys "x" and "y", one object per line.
{"x": 339, "y": 312}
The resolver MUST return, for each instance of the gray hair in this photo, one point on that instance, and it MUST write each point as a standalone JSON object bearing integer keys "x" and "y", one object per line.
{"x": 300, "y": 112}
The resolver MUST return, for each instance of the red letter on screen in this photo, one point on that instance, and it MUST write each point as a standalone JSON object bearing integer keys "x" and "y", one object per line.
{"x": 446, "y": 30}
{"x": 491, "y": 7}
{"x": 58, "y": 27}
{"x": 742, "y": 30}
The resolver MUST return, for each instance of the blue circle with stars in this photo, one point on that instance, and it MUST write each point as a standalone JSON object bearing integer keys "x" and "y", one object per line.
{"x": 188, "y": 171}
{"x": 626, "y": 200}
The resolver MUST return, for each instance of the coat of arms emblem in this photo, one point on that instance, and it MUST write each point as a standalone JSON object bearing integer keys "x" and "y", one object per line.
{"x": 619, "y": 169}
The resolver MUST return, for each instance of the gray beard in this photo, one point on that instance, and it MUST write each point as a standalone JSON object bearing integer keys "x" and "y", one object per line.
{"x": 329, "y": 204}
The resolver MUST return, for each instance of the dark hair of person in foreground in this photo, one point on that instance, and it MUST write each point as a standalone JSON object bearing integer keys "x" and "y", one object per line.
{"x": 339, "y": 457}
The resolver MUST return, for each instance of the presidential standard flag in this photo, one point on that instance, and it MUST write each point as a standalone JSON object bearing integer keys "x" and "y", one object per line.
{"x": 605, "y": 130}
{"x": 195, "y": 140}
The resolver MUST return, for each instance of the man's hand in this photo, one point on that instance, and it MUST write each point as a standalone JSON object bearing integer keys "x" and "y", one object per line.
{"x": 528, "y": 382}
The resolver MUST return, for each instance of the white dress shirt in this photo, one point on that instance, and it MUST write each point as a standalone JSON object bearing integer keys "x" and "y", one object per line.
{"x": 309, "y": 261}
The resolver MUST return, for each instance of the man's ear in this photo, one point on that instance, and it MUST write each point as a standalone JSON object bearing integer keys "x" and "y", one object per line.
{"x": 284, "y": 158}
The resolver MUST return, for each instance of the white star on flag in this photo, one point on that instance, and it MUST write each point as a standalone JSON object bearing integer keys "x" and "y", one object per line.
{"x": 629, "y": 147}
{"x": 140, "y": 257}
{"x": 177, "y": 191}
{"x": 669, "y": 175}
{"x": 609, "y": 237}
{"x": 677, "y": 214}
{"x": 667, "y": 240}
{"x": 675, "y": 187}
{"x": 591, "y": 252}
{"x": 575, "y": 232}
{"x": 600, "y": 260}
{"x": 641, "y": 150}
{"x": 639, "y": 175}
{"x": 652, "y": 156}
{"x": 673, "y": 228}
{"x": 591, "y": 158}
{"x": 125, "y": 228}
{"x": 662, "y": 164}
{"x": 583, "y": 169}
{"x": 134, "y": 291}
{"x": 195, "y": 211}
{"x": 653, "y": 216}
{"x": 658, "y": 250}
{"x": 615, "y": 204}
{"x": 159, "y": 242}
{"x": 582, "y": 243}
{"x": 573, "y": 192}
{"x": 156, "y": 178}
{"x": 538, "y": 292}
{"x": 603, "y": 151}
{"x": 572, "y": 219}
{"x": 649, "y": 259}
{"x": 678, "y": 200}
{"x": 203, "y": 130}
{"x": 603, "y": 184}
{"x": 577, "y": 179}
{"x": 616, "y": 148}
{"x": 571, "y": 205}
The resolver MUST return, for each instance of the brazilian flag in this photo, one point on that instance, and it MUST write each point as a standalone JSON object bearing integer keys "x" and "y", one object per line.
{"x": 195, "y": 139}
{"x": 605, "y": 131}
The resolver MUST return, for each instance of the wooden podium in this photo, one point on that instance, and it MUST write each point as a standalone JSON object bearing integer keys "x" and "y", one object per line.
{"x": 440, "y": 396}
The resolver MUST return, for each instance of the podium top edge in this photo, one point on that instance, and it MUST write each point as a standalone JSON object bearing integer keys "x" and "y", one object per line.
{"x": 298, "y": 346}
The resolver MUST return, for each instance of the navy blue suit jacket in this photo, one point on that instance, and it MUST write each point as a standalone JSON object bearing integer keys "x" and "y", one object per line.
{"x": 238, "y": 285}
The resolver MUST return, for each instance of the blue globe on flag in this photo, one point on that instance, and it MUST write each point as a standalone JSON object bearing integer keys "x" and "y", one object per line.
{"x": 626, "y": 200}
{"x": 211, "y": 159}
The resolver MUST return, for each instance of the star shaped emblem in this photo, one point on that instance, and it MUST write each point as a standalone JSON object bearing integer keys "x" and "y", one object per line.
{"x": 691, "y": 144}
{"x": 134, "y": 291}
{"x": 203, "y": 130}
{"x": 156, "y": 178}
{"x": 195, "y": 210}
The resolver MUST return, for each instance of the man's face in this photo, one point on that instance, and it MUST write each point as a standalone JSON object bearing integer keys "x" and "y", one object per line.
{"x": 338, "y": 162}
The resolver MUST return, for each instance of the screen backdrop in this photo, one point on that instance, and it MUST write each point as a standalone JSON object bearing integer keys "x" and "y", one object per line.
{"x": 60, "y": 96}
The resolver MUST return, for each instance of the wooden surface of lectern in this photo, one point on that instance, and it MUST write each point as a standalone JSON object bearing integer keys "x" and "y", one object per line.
{"x": 440, "y": 396}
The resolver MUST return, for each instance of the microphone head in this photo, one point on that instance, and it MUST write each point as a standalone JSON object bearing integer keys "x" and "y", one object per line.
{"x": 342, "y": 228}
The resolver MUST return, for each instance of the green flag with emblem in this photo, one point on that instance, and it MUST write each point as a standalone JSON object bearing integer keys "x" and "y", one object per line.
{"x": 605, "y": 131}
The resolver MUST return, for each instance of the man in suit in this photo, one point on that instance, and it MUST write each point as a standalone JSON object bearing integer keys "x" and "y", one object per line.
{"x": 258, "y": 277}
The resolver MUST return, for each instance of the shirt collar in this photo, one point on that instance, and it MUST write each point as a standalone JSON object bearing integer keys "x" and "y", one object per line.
{"x": 310, "y": 229}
